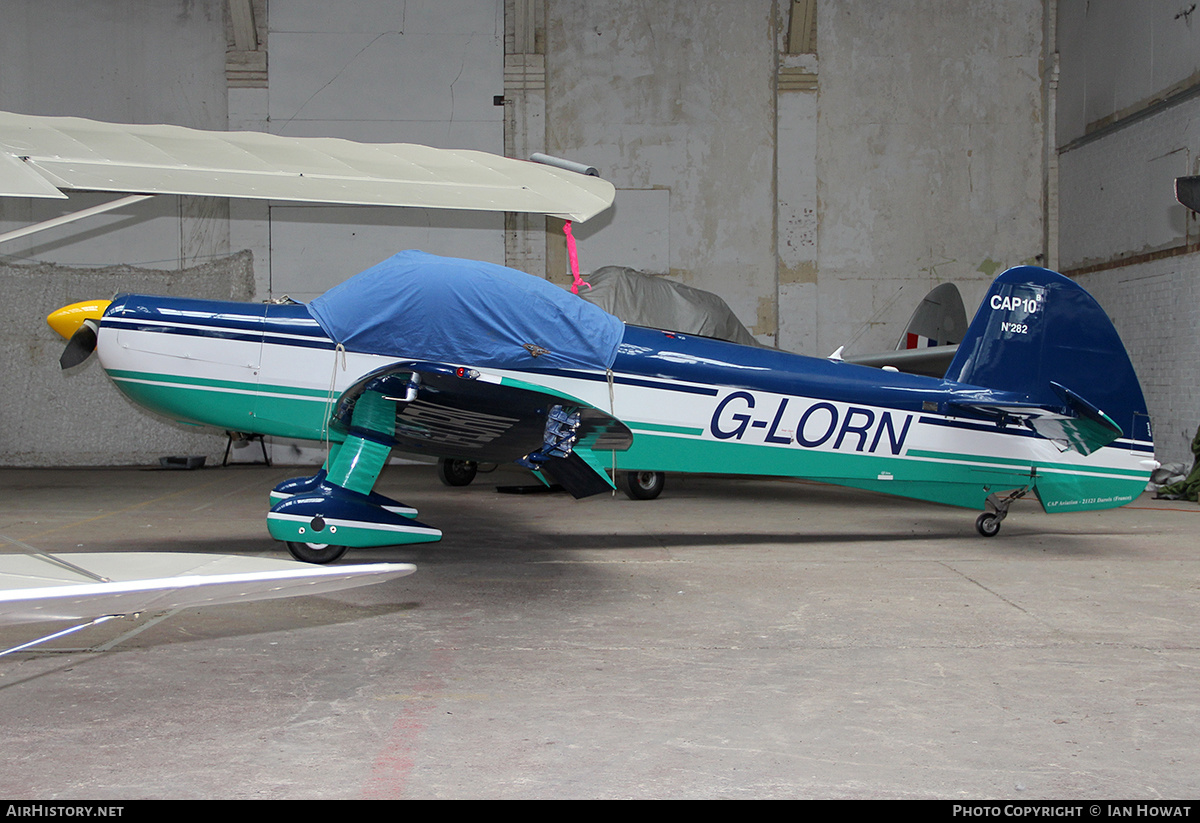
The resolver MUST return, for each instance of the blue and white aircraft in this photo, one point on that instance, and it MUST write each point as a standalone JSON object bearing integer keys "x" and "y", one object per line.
{"x": 473, "y": 362}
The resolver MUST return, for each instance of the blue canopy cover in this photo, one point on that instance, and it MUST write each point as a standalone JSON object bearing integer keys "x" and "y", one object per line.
{"x": 421, "y": 306}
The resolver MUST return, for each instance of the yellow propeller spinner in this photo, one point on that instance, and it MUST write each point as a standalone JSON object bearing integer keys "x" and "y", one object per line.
{"x": 67, "y": 320}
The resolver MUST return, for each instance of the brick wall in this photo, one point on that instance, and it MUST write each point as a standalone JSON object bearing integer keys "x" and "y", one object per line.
{"x": 1123, "y": 236}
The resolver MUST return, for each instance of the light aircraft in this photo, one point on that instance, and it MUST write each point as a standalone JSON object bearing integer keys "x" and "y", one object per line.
{"x": 471, "y": 361}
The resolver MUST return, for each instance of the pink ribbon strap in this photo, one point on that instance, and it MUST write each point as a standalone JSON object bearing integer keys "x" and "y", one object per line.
{"x": 574, "y": 260}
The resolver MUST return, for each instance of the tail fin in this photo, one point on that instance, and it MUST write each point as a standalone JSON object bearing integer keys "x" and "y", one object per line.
{"x": 1039, "y": 334}
{"x": 939, "y": 320}
{"x": 930, "y": 339}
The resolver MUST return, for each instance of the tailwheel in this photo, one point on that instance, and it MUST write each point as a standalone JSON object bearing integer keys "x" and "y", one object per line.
{"x": 456, "y": 472}
{"x": 642, "y": 485}
{"x": 315, "y": 552}
{"x": 987, "y": 524}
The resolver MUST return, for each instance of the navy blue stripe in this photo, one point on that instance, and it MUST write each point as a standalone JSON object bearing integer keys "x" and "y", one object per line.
{"x": 240, "y": 332}
{"x": 249, "y": 323}
{"x": 279, "y": 328}
{"x": 321, "y": 342}
{"x": 292, "y": 318}
{"x": 1013, "y": 429}
{"x": 1132, "y": 445}
{"x": 223, "y": 333}
{"x": 627, "y": 381}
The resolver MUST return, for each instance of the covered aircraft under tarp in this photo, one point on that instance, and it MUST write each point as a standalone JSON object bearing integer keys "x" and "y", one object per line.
{"x": 466, "y": 311}
{"x": 645, "y": 300}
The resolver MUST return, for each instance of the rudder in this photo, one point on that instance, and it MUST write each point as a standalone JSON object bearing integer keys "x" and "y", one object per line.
{"x": 1037, "y": 329}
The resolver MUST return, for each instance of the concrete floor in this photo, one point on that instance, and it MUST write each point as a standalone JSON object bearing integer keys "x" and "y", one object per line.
{"x": 734, "y": 639}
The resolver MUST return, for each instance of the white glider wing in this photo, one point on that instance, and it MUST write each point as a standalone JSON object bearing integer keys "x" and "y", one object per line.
{"x": 40, "y": 156}
{"x": 37, "y": 588}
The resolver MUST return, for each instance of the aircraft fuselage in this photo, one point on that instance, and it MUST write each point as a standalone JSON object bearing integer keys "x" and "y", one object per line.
{"x": 693, "y": 404}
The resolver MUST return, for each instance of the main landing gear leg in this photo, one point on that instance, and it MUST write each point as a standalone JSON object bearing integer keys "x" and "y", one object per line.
{"x": 988, "y": 523}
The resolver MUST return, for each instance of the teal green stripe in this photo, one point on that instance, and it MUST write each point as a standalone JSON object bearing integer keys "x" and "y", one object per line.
{"x": 1009, "y": 461}
{"x": 356, "y": 536}
{"x": 660, "y": 427}
{"x": 226, "y": 404}
{"x": 925, "y": 480}
{"x": 206, "y": 382}
{"x": 966, "y": 482}
{"x": 974, "y": 458}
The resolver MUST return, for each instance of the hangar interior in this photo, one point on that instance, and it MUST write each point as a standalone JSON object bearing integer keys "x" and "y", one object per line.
{"x": 819, "y": 164}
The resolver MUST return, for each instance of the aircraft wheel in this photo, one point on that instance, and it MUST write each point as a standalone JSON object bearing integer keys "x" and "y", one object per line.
{"x": 642, "y": 485}
{"x": 988, "y": 524}
{"x": 456, "y": 472}
{"x": 315, "y": 552}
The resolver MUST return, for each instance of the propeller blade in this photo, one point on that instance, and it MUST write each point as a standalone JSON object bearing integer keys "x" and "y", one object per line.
{"x": 80, "y": 346}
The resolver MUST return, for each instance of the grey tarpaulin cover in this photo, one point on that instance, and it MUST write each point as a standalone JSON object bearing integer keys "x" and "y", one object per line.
{"x": 645, "y": 300}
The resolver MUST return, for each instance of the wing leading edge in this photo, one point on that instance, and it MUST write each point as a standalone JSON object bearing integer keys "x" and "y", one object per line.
{"x": 40, "y": 156}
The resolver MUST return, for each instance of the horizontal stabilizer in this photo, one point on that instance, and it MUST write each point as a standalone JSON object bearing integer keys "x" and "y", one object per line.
{"x": 34, "y": 589}
{"x": 1078, "y": 425}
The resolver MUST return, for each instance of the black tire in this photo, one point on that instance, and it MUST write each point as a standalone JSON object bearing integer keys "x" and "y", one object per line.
{"x": 315, "y": 552}
{"x": 642, "y": 485}
{"x": 987, "y": 524}
{"x": 456, "y": 472}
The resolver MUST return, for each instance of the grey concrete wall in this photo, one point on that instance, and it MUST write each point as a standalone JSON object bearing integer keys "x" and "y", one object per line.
{"x": 821, "y": 212}
{"x": 929, "y": 157}
{"x": 674, "y": 102}
{"x": 77, "y": 418}
{"x": 378, "y": 71}
{"x": 1116, "y": 56}
{"x": 1126, "y": 127}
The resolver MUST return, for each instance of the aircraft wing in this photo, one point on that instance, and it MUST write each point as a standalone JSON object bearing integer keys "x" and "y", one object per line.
{"x": 41, "y": 156}
{"x": 37, "y": 588}
{"x": 463, "y": 413}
